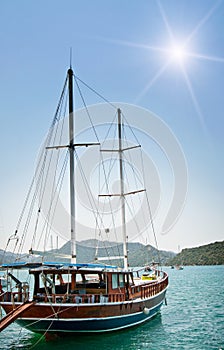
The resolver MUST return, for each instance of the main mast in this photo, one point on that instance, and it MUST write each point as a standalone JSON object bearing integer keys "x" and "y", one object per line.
{"x": 123, "y": 223}
{"x": 72, "y": 166}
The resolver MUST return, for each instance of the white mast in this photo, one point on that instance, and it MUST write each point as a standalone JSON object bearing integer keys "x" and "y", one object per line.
{"x": 72, "y": 166}
{"x": 121, "y": 194}
{"x": 123, "y": 223}
{"x": 71, "y": 147}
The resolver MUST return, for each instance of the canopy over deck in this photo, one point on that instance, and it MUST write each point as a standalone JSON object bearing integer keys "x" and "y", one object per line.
{"x": 57, "y": 265}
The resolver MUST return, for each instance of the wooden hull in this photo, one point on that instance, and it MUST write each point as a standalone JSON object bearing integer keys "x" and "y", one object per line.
{"x": 88, "y": 318}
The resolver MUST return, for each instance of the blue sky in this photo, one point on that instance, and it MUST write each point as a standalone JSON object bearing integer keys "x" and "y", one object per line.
{"x": 124, "y": 49}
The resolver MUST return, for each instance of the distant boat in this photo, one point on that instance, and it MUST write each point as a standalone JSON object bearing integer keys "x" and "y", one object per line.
{"x": 73, "y": 297}
{"x": 179, "y": 266}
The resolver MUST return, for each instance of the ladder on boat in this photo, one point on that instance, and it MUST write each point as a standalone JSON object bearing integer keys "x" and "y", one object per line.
{"x": 14, "y": 314}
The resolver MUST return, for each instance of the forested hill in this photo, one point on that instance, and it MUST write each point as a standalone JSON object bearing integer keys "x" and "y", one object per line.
{"x": 139, "y": 254}
{"x": 210, "y": 254}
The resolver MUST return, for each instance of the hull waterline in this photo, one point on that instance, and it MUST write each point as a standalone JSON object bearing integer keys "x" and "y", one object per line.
{"x": 58, "y": 319}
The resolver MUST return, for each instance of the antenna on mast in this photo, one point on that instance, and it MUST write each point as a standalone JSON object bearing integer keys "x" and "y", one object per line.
{"x": 70, "y": 65}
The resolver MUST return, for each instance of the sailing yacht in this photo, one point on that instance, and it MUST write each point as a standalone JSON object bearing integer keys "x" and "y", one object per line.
{"x": 79, "y": 297}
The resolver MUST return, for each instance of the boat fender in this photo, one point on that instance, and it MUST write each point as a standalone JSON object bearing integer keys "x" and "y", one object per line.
{"x": 146, "y": 311}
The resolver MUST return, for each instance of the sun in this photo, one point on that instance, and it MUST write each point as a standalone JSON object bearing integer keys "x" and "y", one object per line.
{"x": 178, "y": 54}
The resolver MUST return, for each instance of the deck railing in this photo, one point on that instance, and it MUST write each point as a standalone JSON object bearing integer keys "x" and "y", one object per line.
{"x": 149, "y": 289}
{"x": 154, "y": 288}
{"x": 137, "y": 291}
{"x": 15, "y": 296}
{"x": 63, "y": 298}
{"x": 80, "y": 298}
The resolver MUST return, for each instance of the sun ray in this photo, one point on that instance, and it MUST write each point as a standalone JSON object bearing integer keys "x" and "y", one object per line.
{"x": 203, "y": 20}
{"x": 132, "y": 44}
{"x": 162, "y": 12}
{"x": 152, "y": 81}
{"x": 176, "y": 53}
{"x": 205, "y": 57}
{"x": 194, "y": 100}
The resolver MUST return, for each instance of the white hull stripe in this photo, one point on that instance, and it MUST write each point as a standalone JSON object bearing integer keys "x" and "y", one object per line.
{"x": 88, "y": 319}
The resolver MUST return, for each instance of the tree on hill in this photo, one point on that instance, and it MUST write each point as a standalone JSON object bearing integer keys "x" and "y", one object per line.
{"x": 210, "y": 254}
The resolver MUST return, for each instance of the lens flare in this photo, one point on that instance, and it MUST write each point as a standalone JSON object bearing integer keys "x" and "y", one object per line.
{"x": 178, "y": 54}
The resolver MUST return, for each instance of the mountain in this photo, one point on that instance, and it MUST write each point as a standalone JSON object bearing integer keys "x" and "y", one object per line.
{"x": 6, "y": 256}
{"x": 139, "y": 254}
{"x": 210, "y": 254}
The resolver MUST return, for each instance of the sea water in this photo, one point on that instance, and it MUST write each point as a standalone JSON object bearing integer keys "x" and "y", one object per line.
{"x": 193, "y": 319}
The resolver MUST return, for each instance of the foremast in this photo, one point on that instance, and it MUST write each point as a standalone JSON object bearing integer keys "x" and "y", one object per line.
{"x": 123, "y": 222}
{"x": 122, "y": 193}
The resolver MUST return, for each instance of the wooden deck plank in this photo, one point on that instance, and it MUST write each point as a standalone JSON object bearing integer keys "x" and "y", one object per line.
{"x": 14, "y": 314}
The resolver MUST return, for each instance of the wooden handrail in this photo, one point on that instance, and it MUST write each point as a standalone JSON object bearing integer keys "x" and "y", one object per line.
{"x": 154, "y": 288}
{"x": 80, "y": 298}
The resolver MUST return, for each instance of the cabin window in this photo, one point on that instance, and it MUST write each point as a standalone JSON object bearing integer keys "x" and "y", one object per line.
{"x": 79, "y": 277}
{"x": 117, "y": 281}
{"x": 121, "y": 280}
{"x": 92, "y": 278}
{"x": 46, "y": 280}
{"x": 62, "y": 279}
{"x": 114, "y": 281}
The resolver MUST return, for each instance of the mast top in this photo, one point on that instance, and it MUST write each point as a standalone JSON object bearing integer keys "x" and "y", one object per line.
{"x": 70, "y": 71}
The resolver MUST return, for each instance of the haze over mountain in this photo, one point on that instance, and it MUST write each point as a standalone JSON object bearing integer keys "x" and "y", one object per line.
{"x": 139, "y": 254}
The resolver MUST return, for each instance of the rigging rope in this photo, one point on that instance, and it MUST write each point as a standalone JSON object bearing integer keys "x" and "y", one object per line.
{"x": 151, "y": 219}
{"x": 49, "y": 219}
{"x": 112, "y": 162}
{"x": 55, "y": 174}
{"x": 87, "y": 111}
{"x": 95, "y": 92}
{"x": 43, "y": 168}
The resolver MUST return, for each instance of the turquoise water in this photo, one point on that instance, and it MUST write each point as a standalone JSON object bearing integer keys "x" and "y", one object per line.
{"x": 193, "y": 319}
